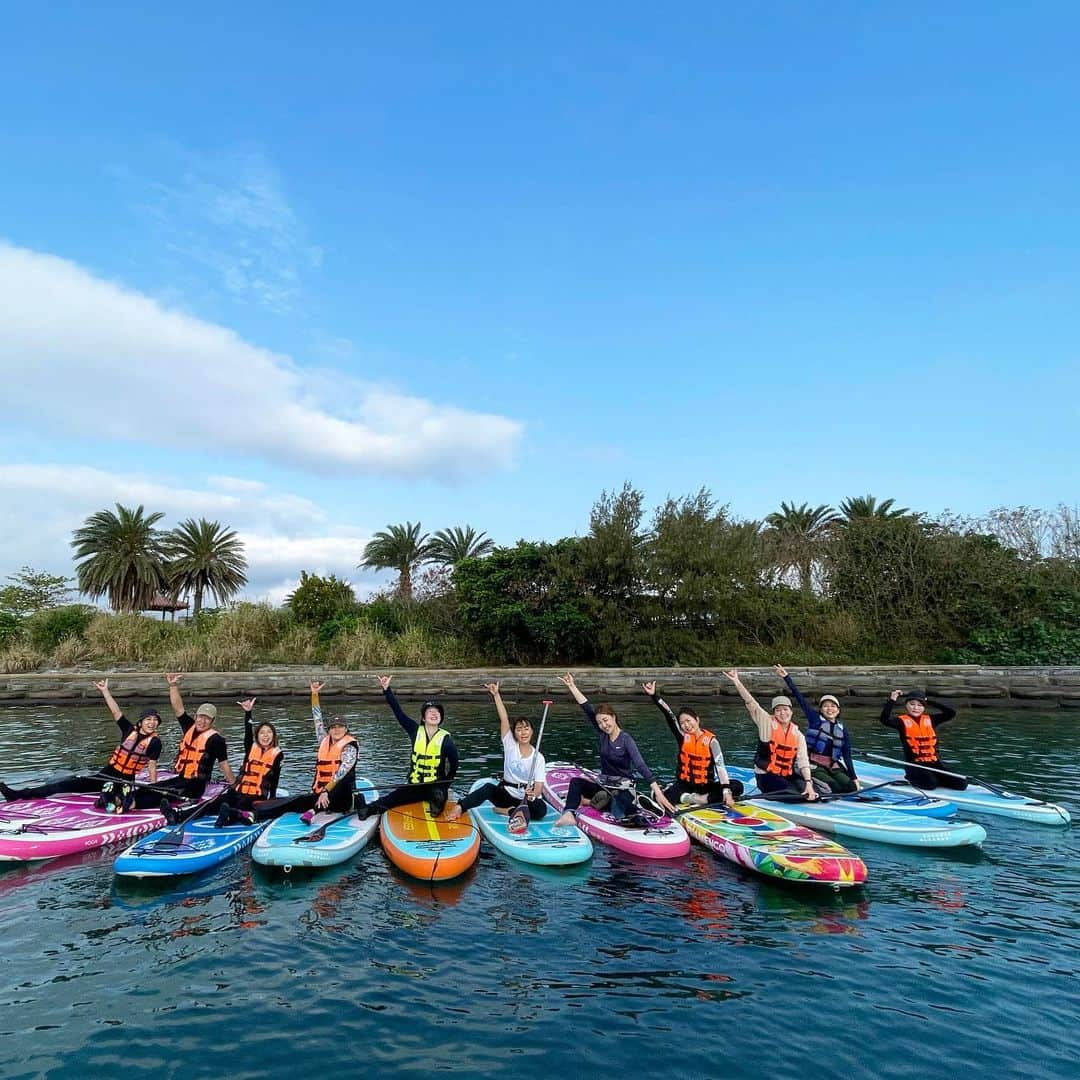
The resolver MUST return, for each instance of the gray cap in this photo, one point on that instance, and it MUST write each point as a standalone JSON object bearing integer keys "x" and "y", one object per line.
{"x": 780, "y": 699}
{"x": 206, "y": 709}
{"x": 828, "y": 697}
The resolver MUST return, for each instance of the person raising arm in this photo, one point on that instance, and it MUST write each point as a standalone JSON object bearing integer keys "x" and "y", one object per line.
{"x": 781, "y": 750}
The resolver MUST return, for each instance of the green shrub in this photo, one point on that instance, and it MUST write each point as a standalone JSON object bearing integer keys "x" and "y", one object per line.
{"x": 10, "y": 628}
{"x": 45, "y": 629}
{"x": 318, "y": 599}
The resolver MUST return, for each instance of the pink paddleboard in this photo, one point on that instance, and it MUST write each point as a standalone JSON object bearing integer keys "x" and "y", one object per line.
{"x": 33, "y": 829}
{"x": 666, "y": 839}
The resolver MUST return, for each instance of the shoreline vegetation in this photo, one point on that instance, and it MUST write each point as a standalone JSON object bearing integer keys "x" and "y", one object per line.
{"x": 964, "y": 685}
{"x": 867, "y": 585}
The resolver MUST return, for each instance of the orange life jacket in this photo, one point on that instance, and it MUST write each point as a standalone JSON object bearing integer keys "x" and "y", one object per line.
{"x": 131, "y": 755}
{"x": 781, "y": 749}
{"x": 329, "y": 760}
{"x": 920, "y": 738}
{"x": 695, "y": 758}
{"x": 189, "y": 758}
{"x": 257, "y": 766}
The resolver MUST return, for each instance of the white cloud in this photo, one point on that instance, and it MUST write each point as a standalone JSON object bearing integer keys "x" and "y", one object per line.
{"x": 282, "y": 534}
{"x": 83, "y": 356}
{"x": 228, "y": 215}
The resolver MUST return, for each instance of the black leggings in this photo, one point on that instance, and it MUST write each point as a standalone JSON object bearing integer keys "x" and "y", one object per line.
{"x": 433, "y": 794}
{"x": 340, "y": 802}
{"x": 835, "y": 777}
{"x": 771, "y": 784}
{"x": 497, "y": 795}
{"x": 622, "y": 800}
{"x": 921, "y": 778}
{"x": 141, "y": 798}
{"x": 714, "y": 792}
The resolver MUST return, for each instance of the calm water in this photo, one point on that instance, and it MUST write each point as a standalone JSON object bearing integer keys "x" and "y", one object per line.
{"x": 689, "y": 968}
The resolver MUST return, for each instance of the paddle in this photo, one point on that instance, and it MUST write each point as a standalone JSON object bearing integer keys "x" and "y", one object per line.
{"x": 174, "y": 836}
{"x": 133, "y": 783}
{"x": 320, "y": 833}
{"x": 956, "y": 776}
{"x": 518, "y": 821}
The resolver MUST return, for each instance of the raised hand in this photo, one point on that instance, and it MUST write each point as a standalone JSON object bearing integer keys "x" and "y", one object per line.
{"x": 568, "y": 680}
{"x": 649, "y": 688}
{"x": 781, "y": 671}
{"x": 173, "y": 679}
{"x": 895, "y": 695}
{"x": 247, "y": 705}
{"x": 731, "y": 674}
{"x": 492, "y": 688}
{"x": 316, "y": 686}
{"x": 102, "y": 686}
{"x": 384, "y": 681}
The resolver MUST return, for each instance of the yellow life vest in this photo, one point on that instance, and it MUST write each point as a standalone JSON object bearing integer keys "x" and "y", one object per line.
{"x": 426, "y": 755}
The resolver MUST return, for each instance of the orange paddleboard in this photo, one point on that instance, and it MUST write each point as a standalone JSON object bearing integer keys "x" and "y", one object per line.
{"x": 431, "y": 849}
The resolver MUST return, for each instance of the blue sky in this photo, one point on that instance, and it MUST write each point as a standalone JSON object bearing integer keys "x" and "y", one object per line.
{"x": 311, "y": 270}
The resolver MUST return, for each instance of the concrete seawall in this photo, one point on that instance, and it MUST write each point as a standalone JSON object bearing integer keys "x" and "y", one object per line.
{"x": 1041, "y": 687}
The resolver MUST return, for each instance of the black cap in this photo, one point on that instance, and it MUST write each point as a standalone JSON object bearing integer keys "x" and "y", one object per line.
{"x": 148, "y": 713}
{"x": 915, "y": 695}
{"x": 433, "y": 705}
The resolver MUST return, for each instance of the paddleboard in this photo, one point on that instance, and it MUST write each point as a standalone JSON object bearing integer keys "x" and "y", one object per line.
{"x": 185, "y": 849}
{"x": 768, "y": 844}
{"x": 283, "y": 843}
{"x": 664, "y": 839}
{"x": 35, "y": 829}
{"x": 431, "y": 849}
{"x": 974, "y": 798}
{"x": 847, "y": 818}
{"x": 910, "y": 802}
{"x": 542, "y": 843}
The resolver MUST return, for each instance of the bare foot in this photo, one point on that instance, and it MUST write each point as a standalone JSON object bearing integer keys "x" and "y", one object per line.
{"x": 563, "y": 820}
{"x": 453, "y": 813}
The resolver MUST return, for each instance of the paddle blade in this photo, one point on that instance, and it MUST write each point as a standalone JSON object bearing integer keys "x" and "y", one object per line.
{"x": 518, "y": 822}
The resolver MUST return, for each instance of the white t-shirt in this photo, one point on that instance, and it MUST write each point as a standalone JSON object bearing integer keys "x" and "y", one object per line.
{"x": 516, "y": 769}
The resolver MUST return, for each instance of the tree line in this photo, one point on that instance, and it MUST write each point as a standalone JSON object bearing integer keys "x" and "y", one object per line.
{"x": 867, "y": 582}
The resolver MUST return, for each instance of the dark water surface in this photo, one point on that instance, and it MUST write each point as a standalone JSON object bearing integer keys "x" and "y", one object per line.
{"x": 945, "y": 963}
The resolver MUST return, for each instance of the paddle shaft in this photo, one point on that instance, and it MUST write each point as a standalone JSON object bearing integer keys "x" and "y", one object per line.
{"x": 523, "y": 806}
{"x": 944, "y": 772}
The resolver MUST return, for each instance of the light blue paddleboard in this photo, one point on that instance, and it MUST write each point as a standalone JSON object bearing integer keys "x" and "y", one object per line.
{"x": 284, "y": 843}
{"x": 847, "y": 817}
{"x": 885, "y": 798}
{"x": 541, "y": 844}
{"x": 200, "y": 847}
{"x": 975, "y": 798}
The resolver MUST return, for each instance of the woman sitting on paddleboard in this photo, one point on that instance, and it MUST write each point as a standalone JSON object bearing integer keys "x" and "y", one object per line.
{"x": 827, "y": 740}
{"x": 434, "y": 758}
{"x": 333, "y": 788}
{"x": 918, "y": 726}
{"x": 620, "y": 759}
{"x": 259, "y": 772}
{"x": 701, "y": 776}
{"x": 523, "y": 770}
{"x": 139, "y": 748}
{"x": 781, "y": 757}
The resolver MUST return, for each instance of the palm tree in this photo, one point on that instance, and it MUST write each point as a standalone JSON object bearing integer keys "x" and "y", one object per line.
{"x": 205, "y": 557}
{"x": 401, "y": 548}
{"x": 123, "y": 557}
{"x": 449, "y": 546}
{"x": 866, "y": 506}
{"x": 798, "y": 532}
